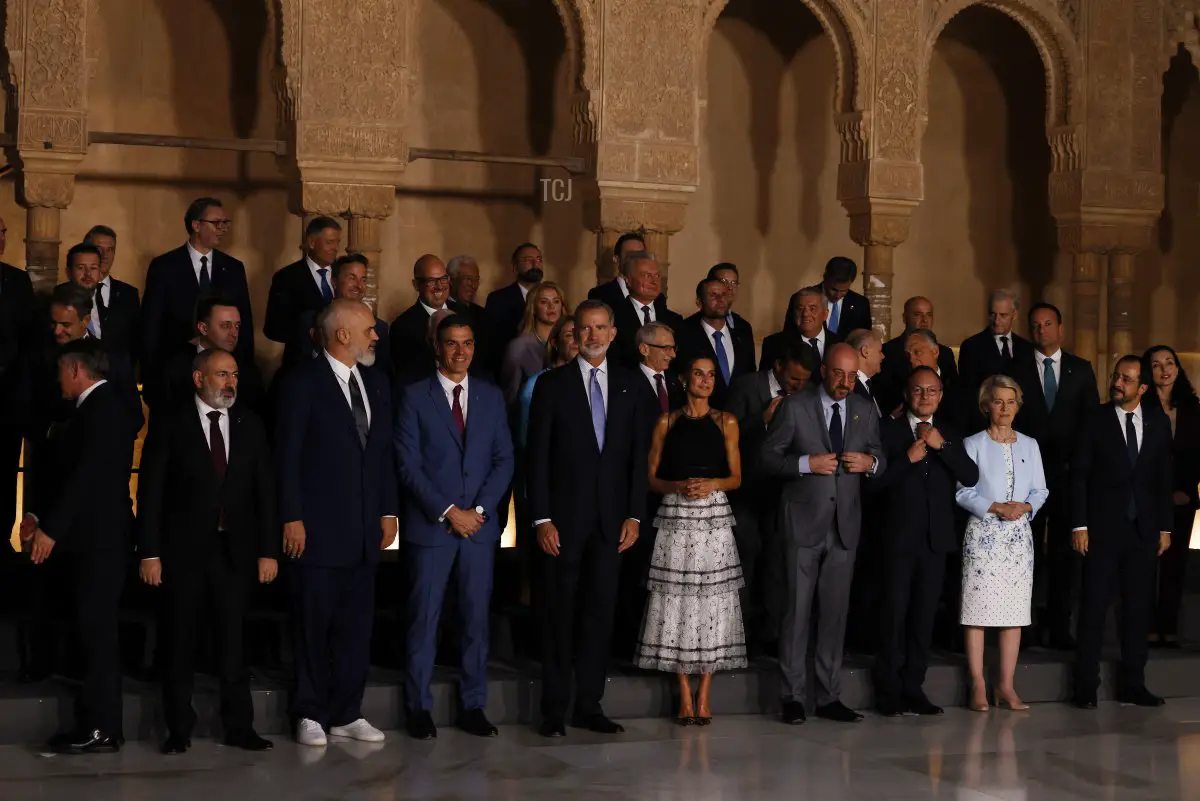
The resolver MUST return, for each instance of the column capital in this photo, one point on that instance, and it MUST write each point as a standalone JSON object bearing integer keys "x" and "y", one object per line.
{"x": 1107, "y": 232}
{"x": 879, "y": 221}
{"x": 374, "y": 201}
{"x": 616, "y": 207}
{"x": 48, "y": 188}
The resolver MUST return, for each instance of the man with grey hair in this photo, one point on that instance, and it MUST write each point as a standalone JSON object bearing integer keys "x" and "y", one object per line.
{"x": 869, "y": 346}
{"x": 806, "y": 322}
{"x": 464, "y": 288}
{"x": 644, "y": 305}
{"x": 615, "y": 291}
{"x": 992, "y": 351}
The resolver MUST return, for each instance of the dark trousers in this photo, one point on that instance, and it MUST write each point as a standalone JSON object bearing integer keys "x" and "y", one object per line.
{"x": 632, "y": 594}
{"x": 332, "y": 616}
{"x": 1121, "y": 557}
{"x": 911, "y": 585}
{"x": 200, "y": 587}
{"x": 579, "y": 594}
{"x": 96, "y": 583}
{"x": 1172, "y": 570}
{"x": 1055, "y": 565}
{"x": 10, "y": 461}
{"x": 761, "y": 552}
{"x": 429, "y": 575}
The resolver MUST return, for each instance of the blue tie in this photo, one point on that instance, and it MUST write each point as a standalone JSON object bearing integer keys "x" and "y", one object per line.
{"x": 326, "y": 291}
{"x": 1049, "y": 383}
{"x": 597, "y": 400}
{"x": 833, "y": 320}
{"x": 722, "y": 358}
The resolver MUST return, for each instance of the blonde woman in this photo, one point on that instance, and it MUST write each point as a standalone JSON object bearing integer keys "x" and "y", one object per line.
{"x": 526, "y": 355}
{"x": 997, "y": 557}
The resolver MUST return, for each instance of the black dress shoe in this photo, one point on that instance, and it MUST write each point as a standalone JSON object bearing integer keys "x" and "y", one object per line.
{"x": 248, "y": 741}
{"x": 473, "y": 721}
{"x": 792, "y": 713}
{"x": 176, "y": 745}
{"x": 839, "y": 712}
{"x": 599, "y": 723}
{"x": 552, "y": 727}
{"x": 1139, "y": 696}
{"x": 1084, "y": 700}
{"x": 923, "y": 706}
{"x": 419, "y": 724}
{"x": 889, "y": 708}
{"x": 86, "y": 742}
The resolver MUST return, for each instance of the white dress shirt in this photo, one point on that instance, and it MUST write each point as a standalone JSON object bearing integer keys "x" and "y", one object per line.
{"x": 865, "y": 380}
{"x": 827, "y": 404}
{"x": 206, "y": 425}
{"x": 726, "y": 341}
{"x": 314, "y": 268}
{"x": 448, "y": 388}
{"x": 430, "y": 310}
{"x": 637, "y": 309}
{"x": 83, "y": 395}
{"x": 524, "y": 291}
{"x": 104, "y": 292}
{"x": 650, "y": 376}
{"x": 623, "y": 286}
{"x": 195, "y": 256}
{"x": 1137, "y": 429}
{"x": 343, "y": 374}
{"x": 1000, "y": 345}
{"x": 1040, "y": 363}
{"x": 773, "y": 384}
{"x": 913, "y": 420}
{"x": 820, "y": 338}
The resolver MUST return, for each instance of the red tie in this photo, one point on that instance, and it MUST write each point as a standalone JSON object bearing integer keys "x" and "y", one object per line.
{"x": 456, "y": 409}
{"x": 663, "y": 403}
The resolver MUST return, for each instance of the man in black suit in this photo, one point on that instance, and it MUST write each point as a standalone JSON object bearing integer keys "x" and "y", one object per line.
{"x": 992, "y": 351}
{"x": 644, "y": 305}
{"x": 809, "y": 312}
{"x": 845, "y": 309}
{"x": 587, "y": 495}
{"x": 464, "y": 288}
{"x": 506, "y": 306}
{"x": 82, "y": 520}
{"x": 338, "y": 502}
{"x": 918, "y": 314}
{"x": 412, "y": 353}
{"x": 1060, "y": 392}
{"x": 923, "y": 351}
{"x": 17, "y": 336}
{"x": 615, "y": 292}
{"x": 867, "y": 343}
{"x": 117, "y": 311}
{"x": 925, "y": 462}
{"x": 753, "y": 400}
{"x": 707, "y": 333}
{"x": 206, "y": 508}
{"x": 176, "y": 279}
{"x": 303, "y": 286}
{"x": 1122, "y": 516}
{"x": 349, "y": 276}
{"x": 727, "y": 273}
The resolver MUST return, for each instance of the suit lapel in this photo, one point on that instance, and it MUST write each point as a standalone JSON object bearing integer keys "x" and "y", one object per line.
{"x": 764, "y": 389}
{"x": 817, "y": 410}
{"x": 438, "y": 398}
{"x": 477, "y": 422}
{"x": 199, "y": 438}
{"x": 577, "y": 386}
{"x": 333, "y": 388}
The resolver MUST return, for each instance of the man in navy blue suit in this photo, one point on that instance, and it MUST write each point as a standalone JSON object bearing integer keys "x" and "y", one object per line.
{"x": 454, "y": 459}
{"x": 338, "y": 501}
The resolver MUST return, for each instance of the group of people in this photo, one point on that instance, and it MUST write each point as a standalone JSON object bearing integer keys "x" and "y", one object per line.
{"x": 674, "y": 503}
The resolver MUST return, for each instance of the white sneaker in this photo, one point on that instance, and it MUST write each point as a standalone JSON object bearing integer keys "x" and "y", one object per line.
{"x": 309, "y": 732}
{"x": 358, "y": 730}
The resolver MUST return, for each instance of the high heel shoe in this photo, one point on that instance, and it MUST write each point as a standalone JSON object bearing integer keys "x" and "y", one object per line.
{"x": 703, "y": 721}
{"x": 974, "y": 707}
{"x": 1008, "y": 703}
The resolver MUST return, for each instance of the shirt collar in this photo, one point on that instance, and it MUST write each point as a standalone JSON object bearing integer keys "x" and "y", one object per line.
{"x": 449, "y": 385}
{"x": 205, "y": 409}
{"x": 342, "y": 371}
{"x": 84, "y": 395}
{"x": 648, "y": 372}
{"x": 827, "y": 400}
{"x": 773, "y": 383}
{"x": 1137, "y": 413}
{"x": 586, "y": 368}
{"x": 1008, "y": 336}
{"x": 864, "y": 378}
{"x": 430, "y": 310}
{"x": 913, "y": 420}
{"x": 197, "y": 255}
{"x": 708, "y": 329}
{"x": 819, "y": 337}
{"x": 623, "y": 286}
{"x": 1056, "y": 357}
{"x": 314, "y": 267}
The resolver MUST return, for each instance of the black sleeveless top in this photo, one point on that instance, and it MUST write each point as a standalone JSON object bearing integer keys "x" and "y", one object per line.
{"x": 694, "y": 448}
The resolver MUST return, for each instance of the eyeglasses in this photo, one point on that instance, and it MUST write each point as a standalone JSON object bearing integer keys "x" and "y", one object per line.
{"x": 729, "y": 282}
{"x": 466, "y": 279}
{"x": 219, "y": 224}
{"x": 927, "y": 392}
{"x": 661, "y": 347}
{"x": 440, "y": 280}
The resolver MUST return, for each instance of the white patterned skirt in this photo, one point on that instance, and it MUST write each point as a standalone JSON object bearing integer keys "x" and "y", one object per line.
{"x": 997, "y": 572}
{"x": 693, "y": 619}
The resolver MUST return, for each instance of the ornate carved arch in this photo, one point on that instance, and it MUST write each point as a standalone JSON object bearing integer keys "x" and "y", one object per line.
{"x": 845, "y": 23}
{"x": 1052, "y": 27}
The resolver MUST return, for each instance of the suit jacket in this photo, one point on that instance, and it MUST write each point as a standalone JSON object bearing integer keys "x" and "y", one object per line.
{"x": 302, "y": 345}
{"x": 120, "y": 322}
{"x": 610, "y": 292}
{"x": 17, "y": 330}
{"x": 676, "y": 397}
{"x": 488, "y": 351}
{"x": 169, "y": 304}
{"x": 873, "y": 394}
{"x": 628, "y": 321}
{"x": 918, "y": 499}
{"x": 504, "y": 308}
{"x": 438, "y": 468}
{"x": 1029, "y": 479}
{"x": 693, "y": 342}
{"x": 855, "y": 313}
{"x": 180, "y": 497}
{"x": 812, "y": 503}
{"x": 978, "y": 359}
{"x": 293, "y": 292}
{"x": 409, "y": 340}
{"x": 1103, "y": 480}
{"x": 1057, "y": 430}
{"x": 748, "y": 400}
{"x": 896, "y": 367}
{"x": 339, "y": 489}
{"x": 86, "y": 508}
{"x": 171, "y": 386}
{"x": 581, "y": 489}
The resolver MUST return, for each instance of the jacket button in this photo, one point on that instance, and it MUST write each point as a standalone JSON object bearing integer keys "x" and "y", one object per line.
{"x": 833, "y": 500}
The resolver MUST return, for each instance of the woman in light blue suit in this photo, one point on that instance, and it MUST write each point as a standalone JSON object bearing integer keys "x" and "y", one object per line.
{"x": 997, "y": 561}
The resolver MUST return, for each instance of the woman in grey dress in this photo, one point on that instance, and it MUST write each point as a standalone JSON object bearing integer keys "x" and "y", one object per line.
{"x": 526, "y": 355}
{"x": 997, "y": 558}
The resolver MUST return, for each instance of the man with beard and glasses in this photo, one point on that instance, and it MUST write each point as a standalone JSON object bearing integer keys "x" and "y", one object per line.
{"x": 338, "y": 502}
{"x": 207, "y": 529}
{"x": 506, "y": 306}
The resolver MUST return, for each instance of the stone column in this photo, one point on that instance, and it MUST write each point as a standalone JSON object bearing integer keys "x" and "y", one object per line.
{"x": 1120, "y": 304}
{"x": 657, "y": 213}
{"x": 365, "y": 207}
{"x": 879, "y": 226}
{"x": 1085, "y": 306}
{"x": 44, "y": 196}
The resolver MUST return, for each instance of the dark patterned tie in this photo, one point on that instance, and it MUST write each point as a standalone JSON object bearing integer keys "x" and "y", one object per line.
{"x": 646, "y": 315}
{"x": 663, "y": 401}
{"x": 216, "y": 447}
{"x": 360, "y": 411}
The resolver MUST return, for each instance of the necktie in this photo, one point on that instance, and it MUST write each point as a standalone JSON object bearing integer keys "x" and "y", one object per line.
{"x": 663, "y": 402}
{"x": 722, "y": 357}
{"x": 1131, "y": 443}
{"x": 835, "y": 429}
{"x": 100, "y": 307}
{"x": 596, "y": 396}
{"x": 216, "y": 446}
{"x": 204, "y": 280}
{"x": 95, "y": 323}
{"x": 1005, "y": 353}
{"x": 326, "y": 290}
{"x": 1049, "y": 383}
{"x": 456, "y": 410}
{"x": 359, "y": 409}
{"x": 816, "y": 348}
{"x": 835, "y": 317}
{"x": 646, "y": 315}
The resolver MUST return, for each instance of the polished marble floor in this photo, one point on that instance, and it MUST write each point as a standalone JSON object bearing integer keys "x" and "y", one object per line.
{"x": 1052, "y": 752}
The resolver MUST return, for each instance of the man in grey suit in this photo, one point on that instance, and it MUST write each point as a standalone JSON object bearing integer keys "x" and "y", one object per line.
{"x": 822, "y": 441}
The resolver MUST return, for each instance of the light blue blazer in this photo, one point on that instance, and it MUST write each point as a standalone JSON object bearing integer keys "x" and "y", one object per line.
{"x": 1029, "y": 480}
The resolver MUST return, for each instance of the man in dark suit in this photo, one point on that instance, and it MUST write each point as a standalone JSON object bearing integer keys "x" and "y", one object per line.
{"x": 1122, "y": 519}
{"x": 707, "y": 333}
{"x": 845, "y": 309}
{"x": 615, "y": 292}
{"x": 412, "y": 353}
{"x": 17, "y": 337}
{"x": 587, "y": 494}
{"x": 303, "y": 286}
{"x": 464, "y": 288}
{"x": 82, "y": 520}
{"x": 454, "y": 459}
{"x": 349, "y": 276}
{"x": 869, "y": 347}
{"x": 992, "y": 351}
{"x": 506, "y": 306}
{"x": 207, "y": 523}
{"x": 1060, "y": 392}
{"x": 117, "y": 311}
{"x": 753, "y": 400}
{"x": 644, "y": 305}
{"x": 918, "y": 314}
{"x": 176, "y": 279}
{"x": 925, "y": 462}
{"x": 923, "y": 350}
{"x": 337, "y": 498}
{"x": 807, "y": 324}
{"x": 727, "y": 273}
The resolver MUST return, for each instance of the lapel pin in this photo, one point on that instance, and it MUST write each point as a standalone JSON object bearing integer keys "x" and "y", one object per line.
{"x": 855, "y": 417}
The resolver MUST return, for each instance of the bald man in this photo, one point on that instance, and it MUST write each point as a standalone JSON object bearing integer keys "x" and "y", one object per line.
{"x": 412, "y": 355}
